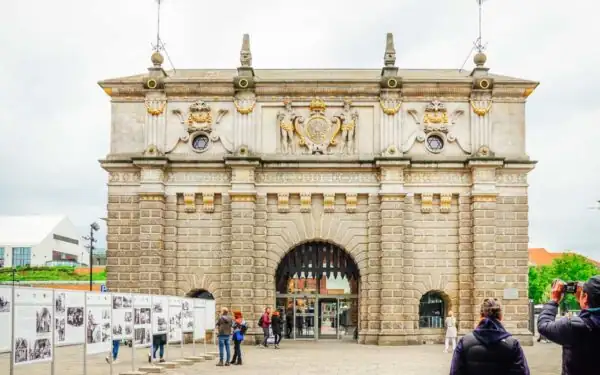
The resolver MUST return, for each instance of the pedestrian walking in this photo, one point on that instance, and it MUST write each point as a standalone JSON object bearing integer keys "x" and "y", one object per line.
{"x": 265, "y": 323}
{"x": 239, "y": 332}
{"x": 451, "y": 331}
{"x": 224, "y": 329}
{"x": 115, "y": 352}
{"x": 158, "y": 344}
{"x": 276, "y": 323}
{"x": 489, "y": 349}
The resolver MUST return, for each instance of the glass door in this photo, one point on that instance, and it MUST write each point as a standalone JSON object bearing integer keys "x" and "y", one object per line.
{"x": 305, "y": 311}
{"x": 328, "y": 318}
{"x": 348, "y": 319}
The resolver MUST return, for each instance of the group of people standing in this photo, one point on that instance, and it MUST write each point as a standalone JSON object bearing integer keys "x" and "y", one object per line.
{"x": 230, "y": 329}
{"x": 271, "y": 323}
{"x": 491, "y": 350}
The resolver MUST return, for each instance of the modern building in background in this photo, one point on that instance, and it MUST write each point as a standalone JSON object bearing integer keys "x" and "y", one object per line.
{"x": 409, "y": 184}
{"x": 40, "y": 241}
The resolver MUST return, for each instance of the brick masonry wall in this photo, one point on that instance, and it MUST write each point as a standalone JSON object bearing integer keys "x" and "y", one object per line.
{"x": 200, "y": 241}
{"x": 123, "y": 243}
{"x": 512, "y": 239}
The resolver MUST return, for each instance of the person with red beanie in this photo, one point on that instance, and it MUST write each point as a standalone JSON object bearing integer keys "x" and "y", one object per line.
{"x": 239, "y": 331}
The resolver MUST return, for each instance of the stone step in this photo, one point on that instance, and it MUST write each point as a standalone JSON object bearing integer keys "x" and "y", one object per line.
{"x": 184, "y": 362}
{"x": 207, "y": 357}
{"x": 214, "y": 354}
{"x": 133, "y": 373}
{"x": 152, "y": 369}
{"x": 168, "y": 364}
{"x": 196, "y": 359}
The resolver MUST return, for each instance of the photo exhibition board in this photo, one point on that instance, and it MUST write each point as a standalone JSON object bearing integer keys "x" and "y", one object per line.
{"x": 160, "y": 315}
{"x": 200, "y": 319}
{"x": 69, "y": 324}
{"x": 122, "y": 316}
{"x": 187, "y": 315}
{"x": 5, "y": 318}
{"x": 33, "y": 325}
{"x": 98, "y": 325}
{"x": 142, "y": 323}
{"x": 174, "y": 319}
{"x": 210, "y": 313}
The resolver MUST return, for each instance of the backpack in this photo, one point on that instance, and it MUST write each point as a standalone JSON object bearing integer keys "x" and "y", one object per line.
{"x": 260, "y": 321}
{"x": 244, "y": 329}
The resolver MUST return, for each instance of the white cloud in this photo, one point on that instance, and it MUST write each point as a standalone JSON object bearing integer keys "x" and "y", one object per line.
{"x": 55, "y": 120}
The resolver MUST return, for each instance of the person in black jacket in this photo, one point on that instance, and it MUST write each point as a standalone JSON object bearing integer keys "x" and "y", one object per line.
{"x": 578, "y": 335}
{"x": 276, "y": 324}
{"x": 489, "y": 349}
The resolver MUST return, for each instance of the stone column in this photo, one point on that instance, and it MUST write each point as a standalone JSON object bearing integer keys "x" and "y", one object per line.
{"x": 465, "y": 265}
{"x": 483, "y": 208}
{"x": 392, "y": 244}
{"x": 247, "y": 276}
{"x": 371, "y": 278}
{"x": 152, "y": 224}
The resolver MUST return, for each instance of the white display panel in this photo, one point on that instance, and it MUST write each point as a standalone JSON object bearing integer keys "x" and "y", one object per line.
{"x": 98, "y": 328}
{"x": 142, "y": 322}
{"x": 69, "y": 323}
{"x": 33, "y": 326}
{"x": 122, "y": 316}
{"x": 5, "y": 318}
{"x": 200, "y": 319}
{"x": 210, "y": 314}
{"x": 160, "y": 315}
{"x": 174, "y": 320}
{"x": 187, "y": 315}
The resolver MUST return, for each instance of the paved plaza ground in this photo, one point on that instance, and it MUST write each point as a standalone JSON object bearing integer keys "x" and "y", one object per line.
{"x": 294, "y": 358}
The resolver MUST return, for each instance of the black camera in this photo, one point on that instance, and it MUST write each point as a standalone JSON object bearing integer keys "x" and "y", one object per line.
{"x": 570, "y": 287}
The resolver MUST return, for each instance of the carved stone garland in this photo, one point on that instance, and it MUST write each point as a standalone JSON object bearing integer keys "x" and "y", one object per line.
{"x": 305, "y": 202}
{"x": 283, "y": 202}
{"x": 329, "y": 202}
{"x": 445, "y": 202}
{"x": 351, "y": 202}
{"x": 208, "y": 202}
{"x": 426, "y": 203}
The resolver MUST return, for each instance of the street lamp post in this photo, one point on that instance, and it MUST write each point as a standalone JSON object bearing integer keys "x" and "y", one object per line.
{"x": 94, "y": 227}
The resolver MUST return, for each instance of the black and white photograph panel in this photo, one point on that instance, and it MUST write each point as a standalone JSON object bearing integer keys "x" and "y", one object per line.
{"x": 43, "y": 320}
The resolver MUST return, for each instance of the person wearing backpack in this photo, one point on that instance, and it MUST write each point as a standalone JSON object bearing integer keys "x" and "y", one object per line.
{"x": 265, "y": 322}
{"x": 239, "y": 331}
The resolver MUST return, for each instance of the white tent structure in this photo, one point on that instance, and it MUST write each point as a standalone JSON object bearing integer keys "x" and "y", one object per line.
{"x": 40, "y": 240}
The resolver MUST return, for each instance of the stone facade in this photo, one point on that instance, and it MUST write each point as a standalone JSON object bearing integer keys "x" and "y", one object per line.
{"x": 421, "y": 176}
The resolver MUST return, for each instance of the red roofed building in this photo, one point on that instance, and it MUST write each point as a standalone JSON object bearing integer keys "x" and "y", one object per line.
{"x": 542, "y": 257}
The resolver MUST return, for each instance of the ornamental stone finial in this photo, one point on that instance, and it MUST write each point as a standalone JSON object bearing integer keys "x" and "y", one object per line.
{"x": 389, "y": 59}
{"x": 245, "y": 54}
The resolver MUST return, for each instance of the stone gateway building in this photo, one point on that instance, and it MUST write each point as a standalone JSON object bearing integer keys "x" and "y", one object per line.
{"x": 411, "y": 185}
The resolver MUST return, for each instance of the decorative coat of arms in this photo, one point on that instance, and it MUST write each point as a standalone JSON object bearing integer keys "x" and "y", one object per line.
{"x": 436, "y": 123}
{"x": 317, "y": 132}
{"x": 198, "y": 123}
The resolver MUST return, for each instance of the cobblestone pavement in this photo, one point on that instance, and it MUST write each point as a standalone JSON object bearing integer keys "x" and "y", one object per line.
{"x": 293, "y": 358}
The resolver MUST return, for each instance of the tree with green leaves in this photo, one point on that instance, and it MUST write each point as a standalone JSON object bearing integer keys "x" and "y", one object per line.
{"x": 569, "y": 267}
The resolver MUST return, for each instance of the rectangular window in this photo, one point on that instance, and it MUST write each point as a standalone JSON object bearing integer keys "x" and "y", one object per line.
{"x": 57, "y": 255}
{"x": 21, "y": 256}
{"x": 58, "y": 237}
{"x": 1, "y": 257}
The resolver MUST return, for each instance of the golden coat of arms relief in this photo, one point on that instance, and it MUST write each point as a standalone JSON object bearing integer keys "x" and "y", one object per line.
{"x": 317, "y": 132}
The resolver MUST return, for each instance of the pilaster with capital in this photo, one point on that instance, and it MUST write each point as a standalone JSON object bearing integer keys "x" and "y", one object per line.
{"x": 246, "y": 132}
{"x": 465, "y": 264}
{"x": 370, "y": 277}
{"x": 483, "y": 210}
{"x": 155, "y": 123}
{"x": 244, "y": 290}
{"x": 152, "y": 224}
{"x": 392, "y": 198}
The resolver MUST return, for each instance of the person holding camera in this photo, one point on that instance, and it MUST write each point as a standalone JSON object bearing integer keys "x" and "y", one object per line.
{"x": 578, "y": 335}
{"x": 489, "y": 349}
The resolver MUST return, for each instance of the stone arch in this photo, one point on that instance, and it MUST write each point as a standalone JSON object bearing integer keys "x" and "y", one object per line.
{"x": 200, "y": 293}
{"x": 317, "y": 241}
{"x": 433, "y": 308}
{"x": 198, "y": 281}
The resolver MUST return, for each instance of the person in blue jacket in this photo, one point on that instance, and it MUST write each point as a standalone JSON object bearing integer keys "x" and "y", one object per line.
{"x": 239, "y": 331}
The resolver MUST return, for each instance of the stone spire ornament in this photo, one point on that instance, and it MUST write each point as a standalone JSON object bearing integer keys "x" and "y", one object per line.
{"x": 389, "y": 58}
{"x": 245, "y": 69}
{"x": 245, "y": 53}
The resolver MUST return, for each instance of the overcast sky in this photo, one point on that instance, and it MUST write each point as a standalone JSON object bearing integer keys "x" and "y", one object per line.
{"x": 54, "y": 119}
